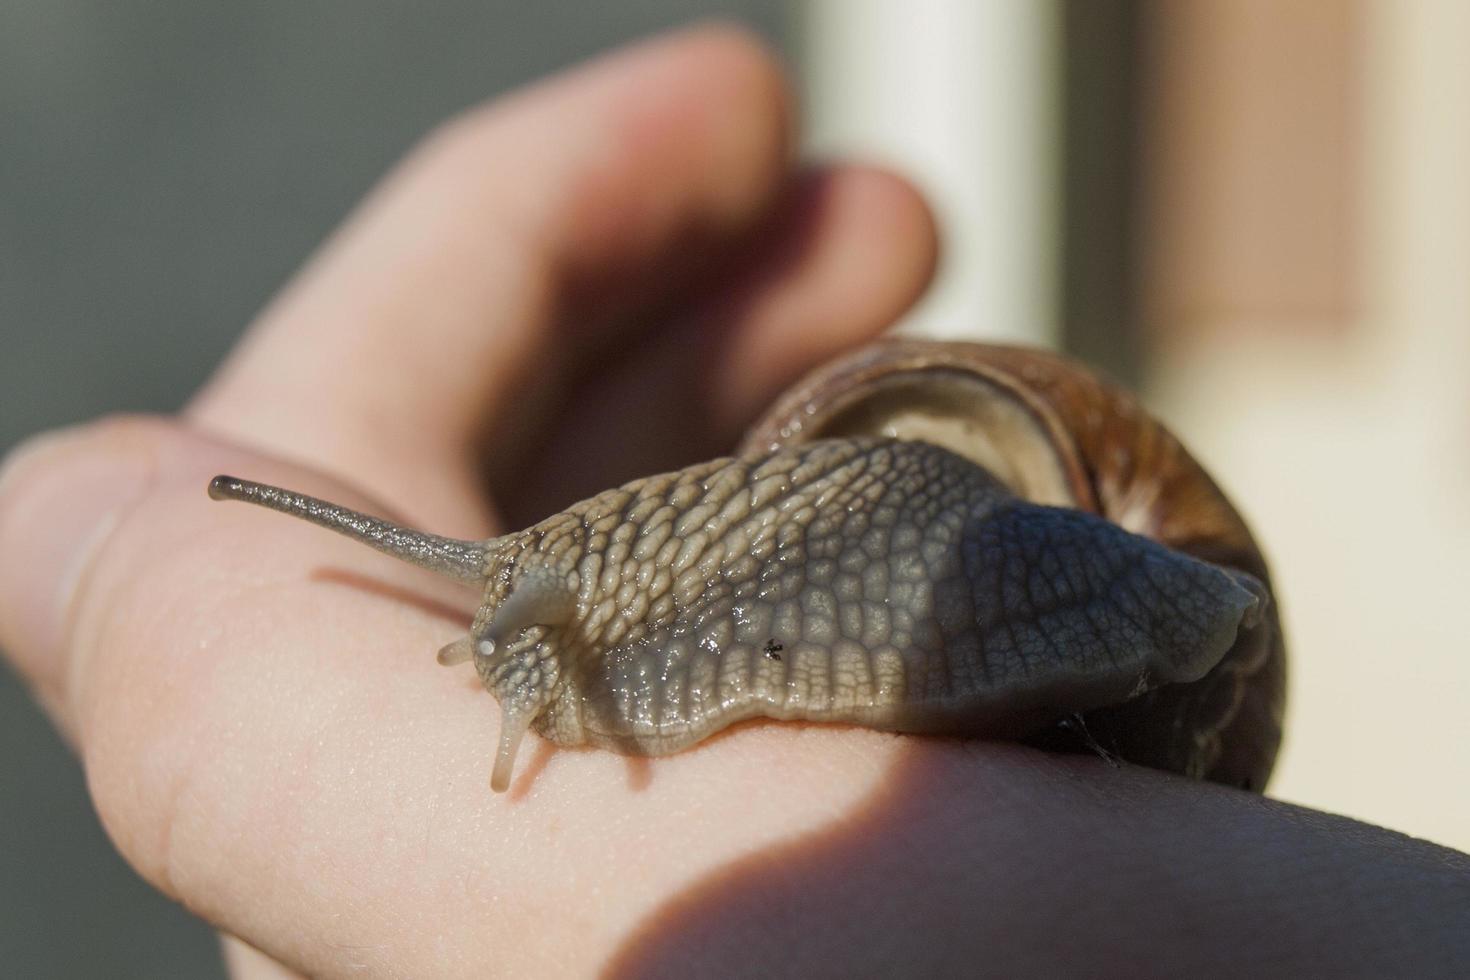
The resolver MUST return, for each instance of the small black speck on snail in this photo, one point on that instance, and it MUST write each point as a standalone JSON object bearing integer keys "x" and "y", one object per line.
{"x": 941, "y": 538}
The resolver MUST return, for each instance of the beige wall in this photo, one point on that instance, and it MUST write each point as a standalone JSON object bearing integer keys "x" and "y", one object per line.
{"x": 1325, "y": 382}
{"x": 1251, "y": 162}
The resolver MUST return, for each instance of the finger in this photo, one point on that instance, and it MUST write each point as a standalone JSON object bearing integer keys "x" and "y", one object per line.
{"x": 861, "y": 251}
{"x": 64, "y": 499}
{"x": 392, "y": 349}
{"x": 847, "y": 250}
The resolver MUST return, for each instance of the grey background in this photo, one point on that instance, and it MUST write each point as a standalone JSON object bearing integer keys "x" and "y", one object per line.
{"x": 166, "y": 164}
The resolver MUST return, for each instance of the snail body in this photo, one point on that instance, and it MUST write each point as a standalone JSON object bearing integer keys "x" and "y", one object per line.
{"x": 854, "y": 563}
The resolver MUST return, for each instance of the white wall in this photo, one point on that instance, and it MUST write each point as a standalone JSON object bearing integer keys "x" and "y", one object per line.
{"x": 962, "y": 96}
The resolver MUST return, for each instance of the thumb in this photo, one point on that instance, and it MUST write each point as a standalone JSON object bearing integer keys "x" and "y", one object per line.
{"x": 62, "y": 494}
{"x": 99, "y": 525}
{"x": 156, "y": 626}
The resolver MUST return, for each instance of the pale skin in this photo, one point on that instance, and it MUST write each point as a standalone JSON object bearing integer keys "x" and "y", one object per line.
{"x": 268, "y": 739}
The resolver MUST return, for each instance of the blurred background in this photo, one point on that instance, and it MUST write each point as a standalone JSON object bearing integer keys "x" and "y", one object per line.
{"x": 1255, "y": 211}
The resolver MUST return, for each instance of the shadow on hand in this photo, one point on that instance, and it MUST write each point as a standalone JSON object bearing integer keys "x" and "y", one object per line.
{"x": 980, "y": 859}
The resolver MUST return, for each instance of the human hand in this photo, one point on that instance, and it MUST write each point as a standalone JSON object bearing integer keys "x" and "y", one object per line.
{"x": 601, "y": 277}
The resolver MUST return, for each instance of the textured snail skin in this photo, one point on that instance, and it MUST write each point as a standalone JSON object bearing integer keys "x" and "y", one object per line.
{"x": 888, "y": 583}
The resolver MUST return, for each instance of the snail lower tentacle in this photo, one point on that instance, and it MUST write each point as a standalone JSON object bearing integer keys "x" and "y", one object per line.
{"x": 920, "y": 538}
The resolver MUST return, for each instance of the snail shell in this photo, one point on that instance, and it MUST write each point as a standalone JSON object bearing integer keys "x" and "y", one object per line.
{"x": 1058, "y": 434}
{"x": 921, "y": 537}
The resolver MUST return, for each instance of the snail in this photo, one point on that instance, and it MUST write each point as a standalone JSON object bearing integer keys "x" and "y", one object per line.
{"x": 926, "y": 537}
